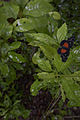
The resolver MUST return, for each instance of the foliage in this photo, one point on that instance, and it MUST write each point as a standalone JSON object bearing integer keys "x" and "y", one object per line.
{"x": 59, "y": 69}
{"x": 36, "y": 23}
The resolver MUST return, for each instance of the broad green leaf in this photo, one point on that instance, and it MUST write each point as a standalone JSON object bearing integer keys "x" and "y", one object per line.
{"x": 45, "y": 75}
{"x": 4, "y": 49}
{"x": 36, "y": 57}
{"x": 35, "y": 87}
{"x": 43, "y": 41}
{"x": 20, "y": 3}
{"x": 4, "y": 69}
{"x": 61, "y": 66}
{"x": 16, "y": 57}
{"x": 37, "y": 8}
{"x": 42, "y": 38}
{"x": 8, "y": 10}
{"x": 61, "y": 33}
{"x": 40, "y": 23}
{"x": 72, "y": 91}
{"x": 15, "y": 45}
{"x": 56, "y": 16}
{"x": 42, "y": 63}
{"x": 23, "y": 25}
{"x": 57, "y": 62}
{"x": 5, "y": 30}
{"x": 48, "y": 51}
{"x": 37, "y": 23}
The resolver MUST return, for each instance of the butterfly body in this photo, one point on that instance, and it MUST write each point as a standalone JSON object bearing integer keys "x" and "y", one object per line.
{"x": 64, "y": 50}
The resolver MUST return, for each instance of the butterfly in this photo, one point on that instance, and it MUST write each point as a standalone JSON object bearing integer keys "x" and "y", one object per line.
{"x": 64, "y": 50}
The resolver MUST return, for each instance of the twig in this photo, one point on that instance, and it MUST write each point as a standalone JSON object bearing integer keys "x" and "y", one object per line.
{"x": 71, "y": 117}
{"x": 51, "y": 111}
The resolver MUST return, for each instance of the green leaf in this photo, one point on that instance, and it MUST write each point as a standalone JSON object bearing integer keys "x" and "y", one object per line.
{"x": 61, "y": 33}
{"x": 15, "y": 45}
{"x": 43, "y": 41}
{"x": 16, "y": 57}
{"x": 42, "y": 63}
{"x": 36, "y": 57}
{"x": 42, "y": 38}
{"x": 56, "y": 16}
{"x": 37, "y": 8}
{"x": 4, "y": 49}
{"x": 40, "y": 23}
{"x": 20, "y": 2}
{"x": 37, "y": 23}
{"x": 45, "y": 75}
{"x": 48, "y": 51}
{"x": 23, "y": 25}
{"x": 72, "y": 91}
{"x": 4, "y": 69}
{"x": 35, "y": 87}
{"x": 8, "y": 10}
{"x": 5, "y": 30}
